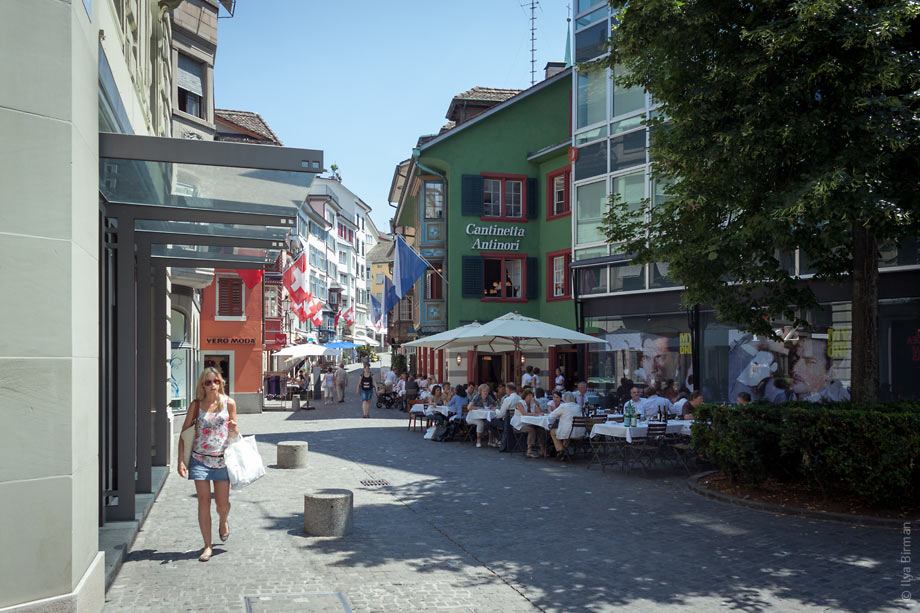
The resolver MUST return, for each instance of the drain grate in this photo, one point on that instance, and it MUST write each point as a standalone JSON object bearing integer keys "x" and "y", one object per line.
{"x": 374, "y": 482}
{"x": 308, "y": 602}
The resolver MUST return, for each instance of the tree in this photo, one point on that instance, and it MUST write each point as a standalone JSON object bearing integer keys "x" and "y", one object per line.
{"x": 783, "y": 125}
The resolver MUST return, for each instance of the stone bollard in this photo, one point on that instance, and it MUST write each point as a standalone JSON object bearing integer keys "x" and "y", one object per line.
{"x": 292, "y": 454}
{"x": 295, "y": 402}
{"x": 327, "y": 512}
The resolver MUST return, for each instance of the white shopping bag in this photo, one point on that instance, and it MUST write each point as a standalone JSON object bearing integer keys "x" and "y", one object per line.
{"x": 244, "y": 464}
{"x": 429, "y": 434}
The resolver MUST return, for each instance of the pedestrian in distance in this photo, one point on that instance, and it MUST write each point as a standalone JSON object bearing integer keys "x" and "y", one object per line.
{"x": 213, "y": 414}
{"x": 328, "y": 386}
{"x": 366, "y": 387}
{"x": 341, "y": 380}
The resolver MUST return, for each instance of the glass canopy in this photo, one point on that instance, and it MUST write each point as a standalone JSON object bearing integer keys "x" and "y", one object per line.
{"x": 207, "y": 252}
{"x": 164, "y": 229}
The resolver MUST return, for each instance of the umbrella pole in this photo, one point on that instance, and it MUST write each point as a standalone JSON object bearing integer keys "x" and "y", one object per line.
{"x": 517, "y": 361}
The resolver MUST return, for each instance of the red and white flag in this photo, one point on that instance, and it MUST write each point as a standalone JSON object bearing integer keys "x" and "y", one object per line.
{"x": 295, "y": 281}
{"x": 315, "y": 311}
{"x": 300, "y": 311}
{"x": 350, "y": 316}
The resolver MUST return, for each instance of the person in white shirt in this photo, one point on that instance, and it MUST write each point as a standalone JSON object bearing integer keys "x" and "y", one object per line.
{"x": 535, "y": 381}
{"x": 511, "y": 403}
{"x": 527, "y": 378}
{"x": 389, "y": 380}
{"x": 560, "y": 380}
{"x": 652, "y": 403}
{"x": 565, "y": 413}
{"x": 581, "y": 396}
{"x": 634, "y": 402}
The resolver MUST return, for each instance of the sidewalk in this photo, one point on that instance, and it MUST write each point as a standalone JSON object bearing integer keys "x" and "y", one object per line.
{"x": 465, "y": 529}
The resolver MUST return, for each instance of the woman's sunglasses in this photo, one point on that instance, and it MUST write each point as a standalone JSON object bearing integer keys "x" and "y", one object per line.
{"x": 210, "y": 382}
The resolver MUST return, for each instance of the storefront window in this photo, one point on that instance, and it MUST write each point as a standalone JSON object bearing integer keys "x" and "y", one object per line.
{"x": 591, "y": 97}
{"x": 591, "y": 202}
{"x": 592, "y": 280}
{"x": 627, "y": 278}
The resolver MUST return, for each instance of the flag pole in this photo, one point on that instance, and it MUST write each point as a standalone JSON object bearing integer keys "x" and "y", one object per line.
{"x": 423, "y": 258}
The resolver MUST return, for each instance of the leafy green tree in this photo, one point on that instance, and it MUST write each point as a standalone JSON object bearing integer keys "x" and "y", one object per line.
{"x": 783, "y": 125}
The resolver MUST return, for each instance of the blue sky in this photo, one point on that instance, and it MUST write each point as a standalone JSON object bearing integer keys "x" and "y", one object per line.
{"x": 362, "y": 80}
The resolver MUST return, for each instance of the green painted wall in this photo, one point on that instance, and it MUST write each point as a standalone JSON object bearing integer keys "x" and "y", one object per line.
{"x": 501, "y": 143}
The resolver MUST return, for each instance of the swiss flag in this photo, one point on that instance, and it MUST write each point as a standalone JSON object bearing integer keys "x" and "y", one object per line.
{"x": 295, "y": 281}
{"x": 350, "y": 316}
{"x": 300, "y": 311}
{"x": 315, "y": 311}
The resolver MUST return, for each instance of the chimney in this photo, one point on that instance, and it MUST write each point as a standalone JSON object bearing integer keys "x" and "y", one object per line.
{"x": 553, "y": 68}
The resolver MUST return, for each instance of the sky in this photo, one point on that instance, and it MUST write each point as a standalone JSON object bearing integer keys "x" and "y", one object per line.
{"x": 362, "y": 80}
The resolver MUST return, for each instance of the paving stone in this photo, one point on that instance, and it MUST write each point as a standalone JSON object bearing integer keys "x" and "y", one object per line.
{"x": 549, "y": 537}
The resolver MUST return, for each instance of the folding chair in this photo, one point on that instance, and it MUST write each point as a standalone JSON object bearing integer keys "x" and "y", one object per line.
{"x": 651, "y": 446}
{"x": 415, "y": 419}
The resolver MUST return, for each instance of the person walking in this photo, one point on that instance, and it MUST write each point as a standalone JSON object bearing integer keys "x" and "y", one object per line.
{"x": 366, "y": 387}
{"x": 214, "y": 415}
{"x": 341, "y": 380}
{"x": 328, "y": 385}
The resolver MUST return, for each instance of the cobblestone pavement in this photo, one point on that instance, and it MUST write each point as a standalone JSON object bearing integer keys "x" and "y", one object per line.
{"x": 466, "y": 529}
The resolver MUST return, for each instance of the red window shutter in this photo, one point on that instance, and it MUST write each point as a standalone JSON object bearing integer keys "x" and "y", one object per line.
{"x": 440, "y": 364}
{"x": 229, "y": 297}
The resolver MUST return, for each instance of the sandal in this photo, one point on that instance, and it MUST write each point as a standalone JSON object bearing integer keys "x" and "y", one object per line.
{"x": 204, "y": 557}
{"x": 224, "y": 536}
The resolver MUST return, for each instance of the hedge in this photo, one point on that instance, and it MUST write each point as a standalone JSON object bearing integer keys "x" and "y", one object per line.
{"x": 872, "y": 452}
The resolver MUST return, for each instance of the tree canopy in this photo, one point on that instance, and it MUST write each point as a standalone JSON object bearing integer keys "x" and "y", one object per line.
{"x": 782, "y": 125}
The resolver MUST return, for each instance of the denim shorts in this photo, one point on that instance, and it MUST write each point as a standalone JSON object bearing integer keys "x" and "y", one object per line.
{"x": 197, "y": 471}
{"x": 366, "y": 395}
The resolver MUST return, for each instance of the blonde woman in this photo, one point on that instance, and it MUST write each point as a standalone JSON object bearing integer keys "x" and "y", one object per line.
{"x": 214, "y": 415}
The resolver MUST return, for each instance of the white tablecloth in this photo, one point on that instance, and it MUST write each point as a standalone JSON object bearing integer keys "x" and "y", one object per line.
{"x": 442, "y": 409}
{"x": 519, "y": 420}
{"x": 485, "y": 414}
{"x": 677, "y": 426}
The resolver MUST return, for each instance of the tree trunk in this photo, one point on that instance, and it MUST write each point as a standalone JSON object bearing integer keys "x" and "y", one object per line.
{"x": 864, "y": 360}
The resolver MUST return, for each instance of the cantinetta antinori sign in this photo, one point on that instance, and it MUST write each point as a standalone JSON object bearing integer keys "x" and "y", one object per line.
{"x": 495, "y": 244}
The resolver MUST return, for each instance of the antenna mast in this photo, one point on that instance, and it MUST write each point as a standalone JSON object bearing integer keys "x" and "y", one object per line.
{"x": 533, "y": 38}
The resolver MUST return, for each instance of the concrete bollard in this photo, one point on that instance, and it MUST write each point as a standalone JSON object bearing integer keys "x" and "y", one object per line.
{"x": 292, "y": 454}
{"x": 327, "y": 512}
{"x": 295, "y": 402}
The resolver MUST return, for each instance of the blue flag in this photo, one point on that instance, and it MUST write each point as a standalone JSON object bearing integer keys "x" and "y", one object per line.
{"x": 376, "y": 310}
{"x": 408, "y": 266}
{"x": 390, "y": 299}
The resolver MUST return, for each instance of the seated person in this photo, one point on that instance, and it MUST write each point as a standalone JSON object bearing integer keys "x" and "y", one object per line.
{"x": 581, "y": 396}
{"x": 400, "y": 390}
{"x": 423, "y": 383}
{"x": 435, "y": 397}
{"x": 540, "y": 395}
{"x": 456, "y": 404}
{"x": 412, "y": 388}
{"x": 654, "y": 403}
{"x": 481, "y": 399}
{"x": 565, "y": 412}
{"x": 696, "y": 399}
{"x": 555, "y": 401}
{"x": 678, "y": 407}
{"x": 510, "y": 403}
{"x": 531, "y": 407}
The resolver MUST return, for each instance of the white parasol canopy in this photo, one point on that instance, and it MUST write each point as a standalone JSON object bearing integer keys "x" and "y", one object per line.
{"x": 436, "y": 340}
{"x": 304, "y": 350}
{"x": 513, "y": 331}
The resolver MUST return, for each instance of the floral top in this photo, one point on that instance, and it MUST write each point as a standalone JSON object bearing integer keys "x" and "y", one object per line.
{"x": 211, "y": 434}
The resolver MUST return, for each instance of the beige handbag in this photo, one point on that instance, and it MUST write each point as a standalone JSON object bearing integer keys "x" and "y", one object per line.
{"x": 187, "y": 437}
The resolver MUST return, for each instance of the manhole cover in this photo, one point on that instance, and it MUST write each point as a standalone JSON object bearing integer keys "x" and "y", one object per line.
{"x": 374, "y": 482}
{"x": 307, "y": 602}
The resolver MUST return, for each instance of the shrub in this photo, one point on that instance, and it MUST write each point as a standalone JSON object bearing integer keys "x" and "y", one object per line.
{"x": 872, "y": 452}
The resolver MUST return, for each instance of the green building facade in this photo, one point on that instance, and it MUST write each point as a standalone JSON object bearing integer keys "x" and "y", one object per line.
{"x": 489, "y": 202}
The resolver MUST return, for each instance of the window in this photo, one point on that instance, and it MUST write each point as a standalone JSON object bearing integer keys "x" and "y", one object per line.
{"x": 434, "y": 284}
{"x": 592, "y": 161}
{"x": 379, "y": 278}
{"x": 557, "y": 193}
{"x": 591, "y": 97}
{"x": 405, "y": 309}
{"x": 591, "y": 42}
{"x": 591, "y": 202}
{"x": 343, "y": 280}
{"x": 346, "y": 233}
{"x": 558, "y": 277}
{"x": 592, "y": 280}
{"x": 318, "y": 232}
{"x": 434, "y": 200}
{"x": 189, "y": 81}
{"x": 503, "y": 197}
{"x": 229, "y": 297}
{"x": 342, "y": 257}
{"x": 503, "y": 278}
{"x": 626, "y": 99}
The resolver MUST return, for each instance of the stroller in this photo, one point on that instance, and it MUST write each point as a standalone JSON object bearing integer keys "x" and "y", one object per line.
{"x": 385, "y": 399}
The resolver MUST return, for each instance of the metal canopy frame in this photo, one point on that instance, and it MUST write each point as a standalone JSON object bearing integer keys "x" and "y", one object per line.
{"x": 142, "y": 436}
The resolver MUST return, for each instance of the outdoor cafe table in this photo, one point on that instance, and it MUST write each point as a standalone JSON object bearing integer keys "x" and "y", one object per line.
{"x": 443, "y": 409}
{"x": 618, "y": 430}
{"x": 534, "y": 420}
{"x": 486, "y": 414}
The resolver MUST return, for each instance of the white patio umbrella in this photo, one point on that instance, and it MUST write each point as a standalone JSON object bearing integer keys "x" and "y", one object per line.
{"x": 304, "y": 350}
{"x": 513, "y": 331}
{"x": 436, "y": 340}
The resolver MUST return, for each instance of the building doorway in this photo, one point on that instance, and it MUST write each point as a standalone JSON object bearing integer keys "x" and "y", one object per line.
{"x": 490, "y": 367}
{"x": 566, "y": 357}
{"x": 223, "y": 363}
